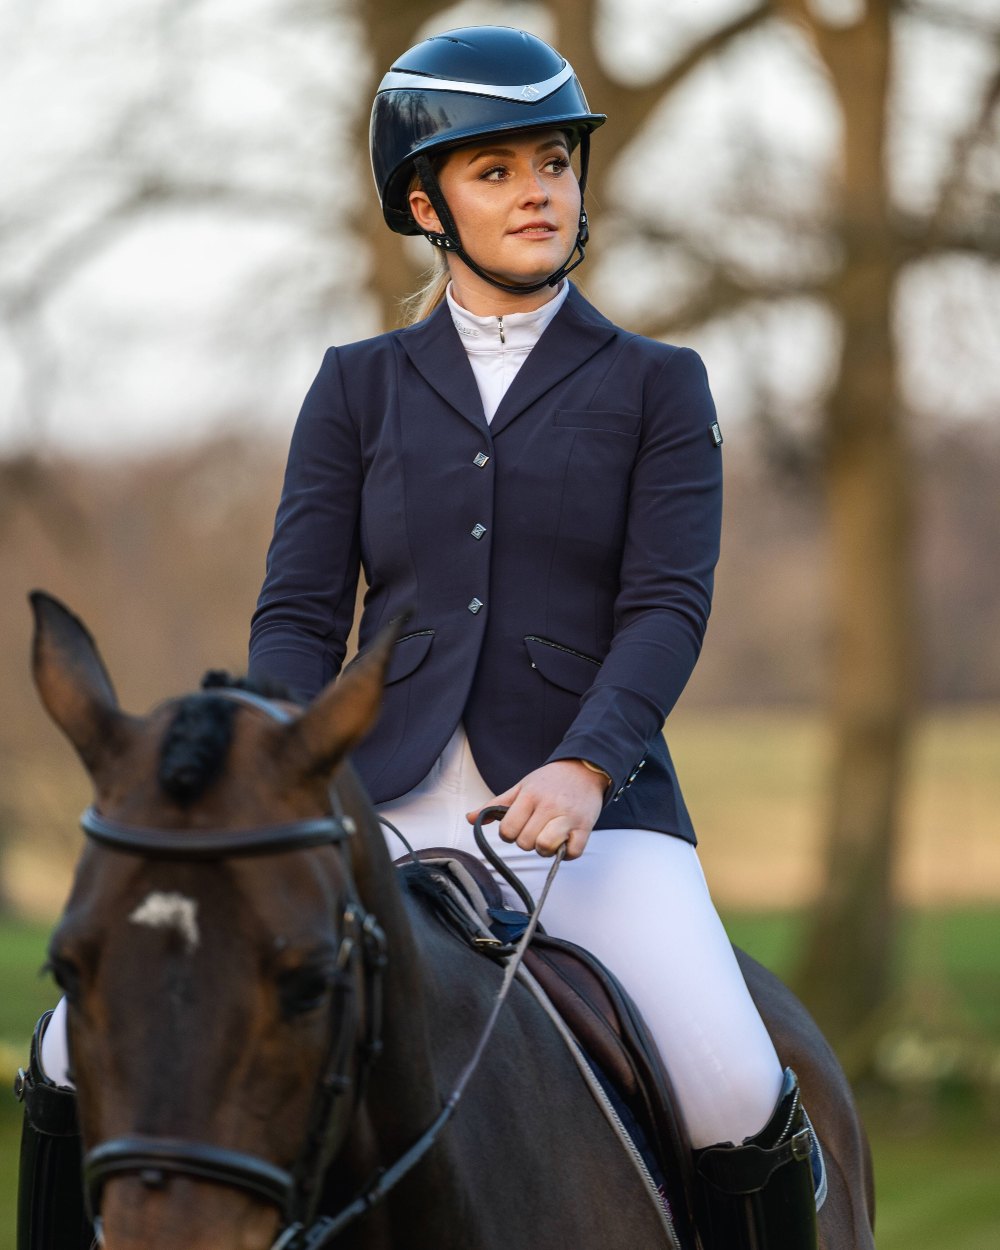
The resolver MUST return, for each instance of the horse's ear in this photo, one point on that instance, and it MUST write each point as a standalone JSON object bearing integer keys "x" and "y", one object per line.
{"x": 73, "y": 683}
{"x": 345, "y": 710}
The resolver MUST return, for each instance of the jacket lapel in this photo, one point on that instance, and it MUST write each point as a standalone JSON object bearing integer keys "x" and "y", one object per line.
{"x": 575, "y": 334}
{"x": 436, "y": 351}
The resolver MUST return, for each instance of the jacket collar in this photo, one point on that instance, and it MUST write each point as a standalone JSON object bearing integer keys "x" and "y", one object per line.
{"x": 575, "y": 334}
{"x": 435, "y": 349}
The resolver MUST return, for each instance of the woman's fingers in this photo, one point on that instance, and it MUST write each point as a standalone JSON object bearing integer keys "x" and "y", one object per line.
{"x": 502, "y": 800}
{"x": 556, "y": 803}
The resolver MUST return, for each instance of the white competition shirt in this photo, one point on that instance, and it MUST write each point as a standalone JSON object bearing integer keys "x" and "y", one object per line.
{"x": 498, "y": 346}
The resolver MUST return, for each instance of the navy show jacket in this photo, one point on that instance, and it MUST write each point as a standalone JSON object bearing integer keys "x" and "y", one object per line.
{"x": 557, "y": 563}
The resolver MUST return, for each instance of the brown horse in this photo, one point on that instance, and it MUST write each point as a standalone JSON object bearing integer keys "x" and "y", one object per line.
{"x": 264, "y": 1022}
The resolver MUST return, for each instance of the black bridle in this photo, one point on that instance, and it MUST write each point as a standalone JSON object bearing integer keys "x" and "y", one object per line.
{"x": 360, "y": 965}
{"x": 362, "y": 957}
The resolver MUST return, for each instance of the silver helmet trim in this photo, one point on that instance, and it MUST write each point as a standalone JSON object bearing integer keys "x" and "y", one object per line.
{"x": 523, "y": 93}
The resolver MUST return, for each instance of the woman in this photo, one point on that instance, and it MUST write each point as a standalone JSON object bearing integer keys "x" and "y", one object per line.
{"x": 550, "y": 516}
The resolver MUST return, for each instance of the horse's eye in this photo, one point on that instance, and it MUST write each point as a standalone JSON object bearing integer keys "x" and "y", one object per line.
{"x": 303, "y": 989}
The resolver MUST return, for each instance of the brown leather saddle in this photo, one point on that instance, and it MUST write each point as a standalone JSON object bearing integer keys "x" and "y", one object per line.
{"x": 598, "y": 1012}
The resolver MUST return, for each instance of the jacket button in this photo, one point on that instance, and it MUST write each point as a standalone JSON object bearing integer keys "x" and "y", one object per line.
{"x": 481, "y": 460}
{"x": 628, "y": 780}
{"x": 477, "y": 531}
{"x": 475, "y": 605}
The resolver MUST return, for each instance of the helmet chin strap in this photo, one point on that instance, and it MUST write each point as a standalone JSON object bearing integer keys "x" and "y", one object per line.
{"x": 449, "y": 239}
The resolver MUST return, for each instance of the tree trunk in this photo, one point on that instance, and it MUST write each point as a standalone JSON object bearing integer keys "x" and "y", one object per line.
{"x": 846, "y": 968}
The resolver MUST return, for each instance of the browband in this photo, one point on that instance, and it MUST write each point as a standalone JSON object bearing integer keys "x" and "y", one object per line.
{"x": 196, "y": 843}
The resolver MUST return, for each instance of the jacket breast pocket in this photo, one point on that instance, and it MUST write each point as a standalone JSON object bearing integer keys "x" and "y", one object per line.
{"x": 606, "y": 422}
{"x": 562, "y": 666}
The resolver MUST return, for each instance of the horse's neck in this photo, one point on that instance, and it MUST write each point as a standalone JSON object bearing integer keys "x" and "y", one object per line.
{"x": 406, "y": 1061}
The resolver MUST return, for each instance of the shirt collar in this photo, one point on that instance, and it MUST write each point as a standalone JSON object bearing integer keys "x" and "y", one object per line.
{"x": 520, "y": 331}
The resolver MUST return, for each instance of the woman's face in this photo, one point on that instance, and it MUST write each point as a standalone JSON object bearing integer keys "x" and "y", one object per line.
{"x": 516, "y": 202}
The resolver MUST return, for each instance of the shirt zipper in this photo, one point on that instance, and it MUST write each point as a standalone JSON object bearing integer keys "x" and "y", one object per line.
{"x": 500, "y": 327}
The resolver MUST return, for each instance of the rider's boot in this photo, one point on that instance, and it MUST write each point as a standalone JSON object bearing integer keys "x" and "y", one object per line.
{"x": 764, "y": 1194}
{"x": 51, "y": 1214}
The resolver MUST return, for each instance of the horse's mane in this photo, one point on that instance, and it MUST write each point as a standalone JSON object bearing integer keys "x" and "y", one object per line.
{"x": 196, "y": 744}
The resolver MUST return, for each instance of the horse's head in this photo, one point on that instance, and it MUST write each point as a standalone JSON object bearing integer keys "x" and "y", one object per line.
{"x": 211, "y": 951}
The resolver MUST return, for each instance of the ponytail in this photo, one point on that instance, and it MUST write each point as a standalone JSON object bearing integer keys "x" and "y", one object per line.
{"x": 422, "y": 302}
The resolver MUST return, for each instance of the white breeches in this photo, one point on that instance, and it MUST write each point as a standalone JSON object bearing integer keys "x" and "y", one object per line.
{"x": 639, "y": 901}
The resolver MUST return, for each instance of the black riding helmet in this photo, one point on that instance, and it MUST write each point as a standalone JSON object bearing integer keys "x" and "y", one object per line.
{"x": 460, "y": 86}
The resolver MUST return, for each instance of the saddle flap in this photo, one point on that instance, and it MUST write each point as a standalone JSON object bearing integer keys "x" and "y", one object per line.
{"x": 610, "y": 1029}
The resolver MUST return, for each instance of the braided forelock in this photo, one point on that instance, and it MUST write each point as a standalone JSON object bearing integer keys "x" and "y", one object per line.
{"x": 195, "y": 747}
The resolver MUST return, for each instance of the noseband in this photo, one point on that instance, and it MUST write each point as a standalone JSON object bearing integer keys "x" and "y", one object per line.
{"x": 361, "y": 959}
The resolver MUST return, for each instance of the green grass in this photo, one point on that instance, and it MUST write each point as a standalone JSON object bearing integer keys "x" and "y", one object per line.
{"x": 24, "y": 995}
{"x": 937, "y": 1186}
{"x": 948, "y": 963}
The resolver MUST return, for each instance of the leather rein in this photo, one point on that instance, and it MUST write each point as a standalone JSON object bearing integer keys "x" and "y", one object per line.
{"x": 362, "y": 957}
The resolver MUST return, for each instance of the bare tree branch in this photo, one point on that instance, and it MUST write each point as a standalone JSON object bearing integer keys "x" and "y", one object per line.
{"x": 633, "y": 103}
{"x": 68, "y": 255}
{"x": 965, "y": 144}
{"x": 721, "y": 295}
{"x": 980, "y": 238}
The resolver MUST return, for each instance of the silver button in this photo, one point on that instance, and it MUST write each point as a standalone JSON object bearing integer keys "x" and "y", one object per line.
{"x": 478, "y": 531}
{"x": 475, "y": 605}
{"x": 481, "y": 460}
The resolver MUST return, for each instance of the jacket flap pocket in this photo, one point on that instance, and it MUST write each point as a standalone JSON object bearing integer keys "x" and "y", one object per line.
{"x": 588, "y": 419}
{"x": 570, "y": 670}
{"x": 408, "y": 655}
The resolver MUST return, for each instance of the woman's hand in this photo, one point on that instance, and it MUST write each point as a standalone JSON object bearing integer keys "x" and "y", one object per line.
{"x": 556, "y": 803}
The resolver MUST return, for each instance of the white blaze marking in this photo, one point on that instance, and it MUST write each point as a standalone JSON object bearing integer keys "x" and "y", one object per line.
{"x": 170, "y": 911}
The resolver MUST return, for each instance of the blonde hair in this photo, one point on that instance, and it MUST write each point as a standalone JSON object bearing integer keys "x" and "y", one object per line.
{"x": 429, "y": 295}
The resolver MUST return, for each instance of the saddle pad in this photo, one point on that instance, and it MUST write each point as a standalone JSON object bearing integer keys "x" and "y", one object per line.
{"x": 600, "y": 1015}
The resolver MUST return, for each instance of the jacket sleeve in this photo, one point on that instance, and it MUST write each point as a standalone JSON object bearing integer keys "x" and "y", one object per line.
{"x": 298, "y": 634}
{"x": 669, "y": 557}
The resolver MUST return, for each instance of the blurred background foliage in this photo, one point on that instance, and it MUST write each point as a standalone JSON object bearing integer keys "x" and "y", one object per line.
{"x": 808, "y": 192}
